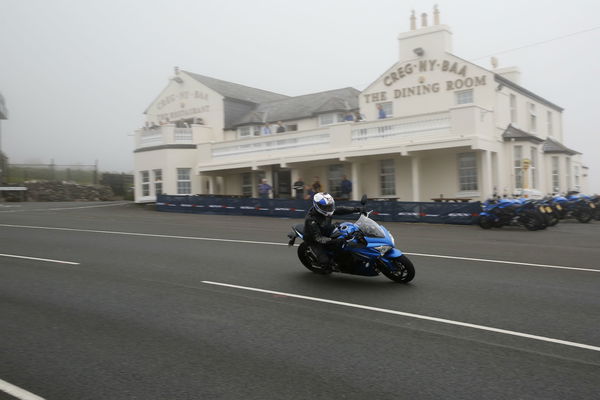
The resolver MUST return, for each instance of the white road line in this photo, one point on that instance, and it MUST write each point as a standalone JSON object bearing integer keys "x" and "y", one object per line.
{"x": 40, "y": 259}
{"x": 63, "y": 208}
{"x": 17, "y": 392}
{"x": 417, "y": 316}
{"x": 597, "y": 269}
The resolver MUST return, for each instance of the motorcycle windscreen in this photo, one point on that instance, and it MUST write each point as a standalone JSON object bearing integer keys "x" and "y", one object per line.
{"x": 369, "y": 227}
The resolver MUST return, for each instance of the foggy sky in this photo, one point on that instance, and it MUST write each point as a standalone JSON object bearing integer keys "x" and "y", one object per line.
{"x": 77, "y": 75}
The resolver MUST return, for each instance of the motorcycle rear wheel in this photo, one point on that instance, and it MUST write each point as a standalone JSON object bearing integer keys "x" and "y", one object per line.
{"x": 308, "y": 260}
{"x": 486, "y": 222}
{"x": 584, "y": 216}
{"x": 405, "y": 270}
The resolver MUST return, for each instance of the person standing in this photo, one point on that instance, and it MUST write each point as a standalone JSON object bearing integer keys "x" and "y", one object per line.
{"x": 316, "y": 186}
{"x": 264, "y": 189}
{"x": 346, "y": 188}
{"x": 380, "y": 112}
{"x": 266, "y": 129}
{"x": 299, "y": 188}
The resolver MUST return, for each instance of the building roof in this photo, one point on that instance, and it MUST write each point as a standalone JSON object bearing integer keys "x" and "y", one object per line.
{"x": 235, "y": 91}
{"x": 520, "y": 89}
{"x": 552, "y": 146}
{"x": 515, "y": 133}
{"x": 305, "y": 106}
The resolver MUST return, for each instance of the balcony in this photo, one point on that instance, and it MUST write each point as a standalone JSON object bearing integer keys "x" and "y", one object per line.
{"x": 164, "y": 135}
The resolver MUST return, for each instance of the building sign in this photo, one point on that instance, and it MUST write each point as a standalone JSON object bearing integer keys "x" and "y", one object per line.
{"x": 182, "y": 98}
{"x": 395, "y": 78}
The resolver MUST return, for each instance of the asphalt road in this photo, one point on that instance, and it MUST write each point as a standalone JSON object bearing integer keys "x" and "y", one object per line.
{"x": 135, "y": 313}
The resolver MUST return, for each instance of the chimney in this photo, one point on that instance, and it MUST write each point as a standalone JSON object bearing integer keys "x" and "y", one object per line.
{"x": 413, "y": 21}
{"x": 424, "y": 20}
{"x": 436, "y": 15}
{"x": 176, "y": 70}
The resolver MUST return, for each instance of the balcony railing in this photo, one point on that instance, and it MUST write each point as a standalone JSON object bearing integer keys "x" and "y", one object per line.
{"x": 434, "y": 124}
{"x": 294, "y": 140}
{"x": 164, "y": 135}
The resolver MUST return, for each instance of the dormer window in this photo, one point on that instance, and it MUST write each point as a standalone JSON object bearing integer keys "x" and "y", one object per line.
{"x": 248, "y": 131}
{"x": 331, "y": 118}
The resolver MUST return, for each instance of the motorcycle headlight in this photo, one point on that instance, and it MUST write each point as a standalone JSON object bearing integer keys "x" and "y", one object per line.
{"x": 383, "y": 249}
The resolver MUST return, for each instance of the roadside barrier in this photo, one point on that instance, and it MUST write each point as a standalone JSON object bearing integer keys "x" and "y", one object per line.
{"x": 383, "y": 210}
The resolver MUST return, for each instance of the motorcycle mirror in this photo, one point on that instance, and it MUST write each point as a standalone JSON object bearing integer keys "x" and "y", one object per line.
{"x": 363, "y": 199}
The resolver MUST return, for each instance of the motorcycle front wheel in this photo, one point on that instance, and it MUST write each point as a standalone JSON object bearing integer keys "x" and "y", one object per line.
{"x": 308, "y": 259}
{"x": 404, "y": 270}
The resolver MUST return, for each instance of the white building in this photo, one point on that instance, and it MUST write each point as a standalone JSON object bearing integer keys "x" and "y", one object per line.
{"x": 452, "y": 129}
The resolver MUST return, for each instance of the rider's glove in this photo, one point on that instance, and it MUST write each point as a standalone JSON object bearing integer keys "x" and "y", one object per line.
{"x": 338, "y": 242}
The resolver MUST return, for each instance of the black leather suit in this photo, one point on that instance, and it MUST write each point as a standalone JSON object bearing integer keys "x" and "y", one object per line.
{"x": 318, "y": 229}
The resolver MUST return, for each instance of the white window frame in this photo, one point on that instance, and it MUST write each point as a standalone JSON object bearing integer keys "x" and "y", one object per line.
{"x": 513, "y": 109}
{"x": 568, "y": 174}
{"x": 532, "y": 117}
{"x": 464, "y": 96}
{"x": 550, "y": 123}
{"x": 388, "y": 108}
{"x": 184, "y": 181}
{"x": 555, "y": 173}
{"x": 157, "y": 173}
{"x": 518, "y": 165}
{"x": 468, "y": 179}
{"x": 248, "y": 131}
{"x": 330, "y": 118}
{"x": 577, "y": 180}
{"x": 145, "y": 180}
{"x": 387, "y": 177}
{"x": 533, "y": 167}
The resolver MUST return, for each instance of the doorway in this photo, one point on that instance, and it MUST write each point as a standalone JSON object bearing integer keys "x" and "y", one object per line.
{"x": 282, "y": 183}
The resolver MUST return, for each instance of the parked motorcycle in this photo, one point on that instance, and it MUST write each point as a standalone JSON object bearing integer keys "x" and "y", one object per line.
{"x": 575, "y": 206}
{"x": 369, "y": 249}
{"x": 498, "y": 213}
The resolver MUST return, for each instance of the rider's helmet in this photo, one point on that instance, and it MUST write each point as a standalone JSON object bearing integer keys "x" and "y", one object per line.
{"x": 324, "y": 203}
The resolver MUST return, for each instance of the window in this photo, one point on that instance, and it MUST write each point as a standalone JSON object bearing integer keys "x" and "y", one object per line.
{"x": 568, "y": 162}
{"x": 555, "y": 174}
{"x": 247, "y": 131}
{"x": 334, "y": 176}
{"x": 517, "y": 163}
{"x": 291, "y": 127}
{"x": 387, "y": 178}
{"x": 576, "y": 177}
{"x": 157, "y": 181}
{"x": 145, "y": 175}
{"x": 464, "y": 96}
{"x": 331, "y": 118}
{"x": 467, "y": 171}
{"x": 550, "y": 123}
{"x": 247, "y": 184}
{"x": 513, "y": 109}
{"x": 388, "y": 108}
{"x": 533, "y": 167}
{"x": 532, "y": 117}
{"x": 184, "y": 180}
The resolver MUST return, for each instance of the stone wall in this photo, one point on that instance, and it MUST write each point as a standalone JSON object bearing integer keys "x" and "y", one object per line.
{"x": 65, "y": 191}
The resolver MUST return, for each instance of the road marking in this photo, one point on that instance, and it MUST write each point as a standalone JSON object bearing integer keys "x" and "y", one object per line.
{"x": 285, "y": 244}
{"x": 417, "y": 316}
{"x": 504, "y": 262}
{"x": 17, "y": 392}
{"x": 40, "y": 259}
{"x": 63, "y": 208}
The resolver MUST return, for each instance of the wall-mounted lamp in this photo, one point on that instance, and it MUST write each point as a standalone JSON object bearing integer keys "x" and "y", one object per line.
{"x": 419, "y": 51}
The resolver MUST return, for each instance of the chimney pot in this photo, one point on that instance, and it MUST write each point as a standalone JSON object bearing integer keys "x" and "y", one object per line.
{"x": 423, "y": 20}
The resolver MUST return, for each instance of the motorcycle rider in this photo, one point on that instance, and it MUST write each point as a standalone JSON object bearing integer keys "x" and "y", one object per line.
{"x": 318, "y": 227}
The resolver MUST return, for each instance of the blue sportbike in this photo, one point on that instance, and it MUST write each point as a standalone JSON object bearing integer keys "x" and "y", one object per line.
{"x": 369, "y": 249}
